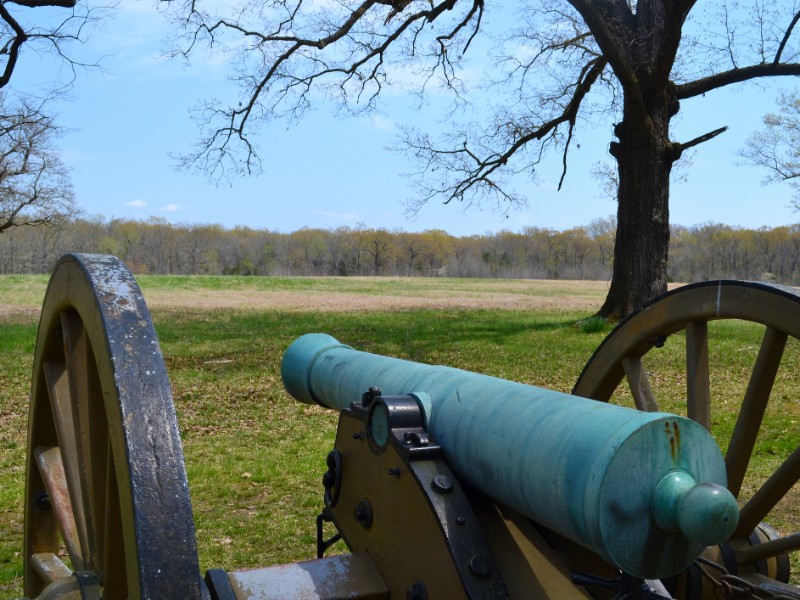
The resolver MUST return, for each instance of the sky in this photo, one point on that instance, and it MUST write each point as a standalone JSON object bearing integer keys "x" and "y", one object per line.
{"x": 126, "y": 122}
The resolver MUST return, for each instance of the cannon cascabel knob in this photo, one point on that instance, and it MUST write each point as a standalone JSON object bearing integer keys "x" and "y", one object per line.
{"x": 706, "y": 513}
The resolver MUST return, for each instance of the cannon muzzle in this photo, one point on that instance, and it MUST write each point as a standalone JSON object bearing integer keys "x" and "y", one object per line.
{"x": 646, "y": 491}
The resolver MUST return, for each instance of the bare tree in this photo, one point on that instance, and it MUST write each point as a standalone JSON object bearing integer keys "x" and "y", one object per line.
{"x": 34, "y": 183}
{"x": 630, "y": 62}
{"x": 776, "y": 148}
{"x": 34, "y": 24}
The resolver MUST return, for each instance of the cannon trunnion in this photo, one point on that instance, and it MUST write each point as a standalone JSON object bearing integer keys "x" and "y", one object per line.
{"x": 442, "y": 483}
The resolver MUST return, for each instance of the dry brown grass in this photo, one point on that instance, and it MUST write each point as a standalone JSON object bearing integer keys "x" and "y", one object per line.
{"x": 15, "y": 313}
{"x": 363, "y": 293}
{"x": 348, "y": 302}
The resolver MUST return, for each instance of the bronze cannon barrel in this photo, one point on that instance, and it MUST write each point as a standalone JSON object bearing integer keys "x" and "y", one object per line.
{"x": 646, "y": 491}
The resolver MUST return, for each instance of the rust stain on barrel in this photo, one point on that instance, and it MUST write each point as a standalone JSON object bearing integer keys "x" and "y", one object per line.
{"x": 672, "y": 429}
{"x": 674, "y": 434}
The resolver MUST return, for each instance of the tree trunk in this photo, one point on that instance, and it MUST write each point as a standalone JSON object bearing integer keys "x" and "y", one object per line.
{"x": 644, "y": 158}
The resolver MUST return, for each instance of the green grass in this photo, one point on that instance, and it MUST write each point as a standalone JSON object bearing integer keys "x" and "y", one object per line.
{"x": 594, "y": 325}
{"x": 23, "y": 290}
{"x": 255, "y": 457}
{"x": 403, "y": 286}
{"x": 16, "y": 352}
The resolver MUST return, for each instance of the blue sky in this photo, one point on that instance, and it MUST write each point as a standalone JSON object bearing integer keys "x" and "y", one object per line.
{"x": 328, "y": 171}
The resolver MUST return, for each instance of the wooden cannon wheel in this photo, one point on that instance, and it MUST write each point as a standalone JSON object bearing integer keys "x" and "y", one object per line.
{"x": 755, "y": 551}
{"x": 107, "y": 508}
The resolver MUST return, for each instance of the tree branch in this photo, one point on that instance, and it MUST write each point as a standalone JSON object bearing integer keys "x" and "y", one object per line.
{"x": 678, "y": 148}
{"x": 598, "y": 15}
{"x": 787, "y": 34}
{"x": 719, "y": 80}
{"x": 13, "y": 46}
{"x": 351, "y": 58}
{"x": 43, "y": 3}
{"x": 51, "y": 36}
{"x": 479, "y": 172}
{"x": 612, "y": 24}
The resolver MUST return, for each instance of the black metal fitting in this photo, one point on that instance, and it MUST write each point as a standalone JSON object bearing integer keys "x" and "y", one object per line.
{"x": 88, "y": 584}
{"x": 332, "y": 479}
{"x": 480, "y": 566}
{"x": 417, "y": 438}
{"x": 219, "y": 586}
{"x": 363, "y": 513}
{"x": 322, "y": 543}
{"x": 625, "y": 586}
{"x": 442, "y": 484}
{"x": 368, "y": 396}
{"x": 42, "y": 501}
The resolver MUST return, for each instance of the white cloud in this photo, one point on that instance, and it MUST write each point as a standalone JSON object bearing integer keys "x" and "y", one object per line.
{"x": 172, "y": 207}
{"x": 136, "y": 203}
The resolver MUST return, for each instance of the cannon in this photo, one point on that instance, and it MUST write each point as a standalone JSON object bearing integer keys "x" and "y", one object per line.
{"x": 442, "y": 483}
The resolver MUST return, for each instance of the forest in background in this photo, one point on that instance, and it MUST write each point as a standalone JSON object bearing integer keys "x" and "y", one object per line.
{"x": 707, "y": 251}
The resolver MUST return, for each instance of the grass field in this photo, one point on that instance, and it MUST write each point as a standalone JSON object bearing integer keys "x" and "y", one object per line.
{"x": 255, "y": 457}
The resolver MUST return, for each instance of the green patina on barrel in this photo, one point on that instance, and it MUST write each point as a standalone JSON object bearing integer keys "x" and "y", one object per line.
{"x": 586, "y": 469}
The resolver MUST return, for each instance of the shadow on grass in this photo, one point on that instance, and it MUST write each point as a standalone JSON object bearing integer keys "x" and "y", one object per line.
{"x": 517, "y": 345}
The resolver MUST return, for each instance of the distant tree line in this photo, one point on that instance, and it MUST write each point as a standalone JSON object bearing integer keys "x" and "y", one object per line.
{"x": 707, "y": 251}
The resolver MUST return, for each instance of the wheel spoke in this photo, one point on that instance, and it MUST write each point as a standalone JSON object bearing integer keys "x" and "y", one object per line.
{"x": 639, "y": 384}
{"x": 51, "y": 469}
{"x": 61, "y": 402}
{"x": 769, "y": 494}
{"x": 91, "y": 434}
{"x": 114, "y": 561}
{"x": 770, "y": 549}
{"x": 755, "y": 401}
{"x": 698, "y": 390}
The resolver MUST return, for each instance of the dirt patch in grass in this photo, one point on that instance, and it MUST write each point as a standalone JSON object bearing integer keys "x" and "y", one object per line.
{"x": 14, "y": 312}
{"x": 344, "y": 302}
{"x": 573, "y": 296}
